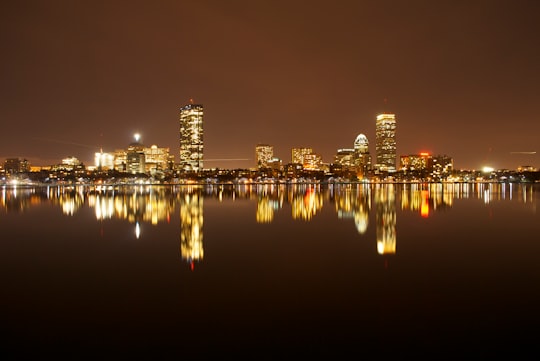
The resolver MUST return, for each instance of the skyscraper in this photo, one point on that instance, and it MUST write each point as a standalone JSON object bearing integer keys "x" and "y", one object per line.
{"x": 362, "y": 158}
{"x": 191, "y": 137}
{"x": 385, "y": 143}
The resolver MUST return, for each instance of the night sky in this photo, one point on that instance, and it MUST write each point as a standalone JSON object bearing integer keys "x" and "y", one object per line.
{"x": 462, "y": 77}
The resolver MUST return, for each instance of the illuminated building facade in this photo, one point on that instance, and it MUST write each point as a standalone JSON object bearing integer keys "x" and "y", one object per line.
{"x": 135, "y": 159}
{"x": 191, "y": 138}
{"x": 298, "y": 154}
{"x": 443, "y": 165}
{"x": 355, "y": 159}
{"x": 345, "y": 157}
{"x": 157, "y": 159}
{"x": 16, "y": 165}
{"x": 306, "y": 157}
{"x": 264, "y": 154}
{"x": 362, "y": 158}
{"x": 105, "y": 161}
{"x": 312, "y": 161}
{"x": 422, "y": 162}
{"x": 425, "y": 164}
{"x": 120, "y": 160}
{"x": 385, "y": 146}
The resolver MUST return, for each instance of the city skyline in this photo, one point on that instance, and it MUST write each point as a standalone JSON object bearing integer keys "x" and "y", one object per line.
{"x": 460, "y": 77}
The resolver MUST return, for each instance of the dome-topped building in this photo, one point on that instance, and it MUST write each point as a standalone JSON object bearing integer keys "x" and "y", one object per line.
{"x": 361, "y": 144}
{"x": 361, "y": 153}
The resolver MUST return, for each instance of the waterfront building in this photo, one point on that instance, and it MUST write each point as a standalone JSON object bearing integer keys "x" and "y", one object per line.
{"x": 356, "y": 159}
{"x": 275, "y": 163}
{"x": 422, "y": 162}
{"x": 104, "y": 161}
{"x": 385, "y": 146}
{"x": 157, "y": 159}
{"x": 298, "y": 154}
{"x": 120, "y": 160}
{"x": 191, "y": 138}
{"x": 264, "y": 153}
{"x": 425, "y": 164}
{"x": 443, "y": 165}
{"x": 16, "y": 165}
{"x": 312, "y": 161}
{"x": 135, "y": 158}
{"x": 345, "y": 158}
{"x": 306, "y": 158}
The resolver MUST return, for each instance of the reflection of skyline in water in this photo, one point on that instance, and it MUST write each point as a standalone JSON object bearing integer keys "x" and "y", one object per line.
{"x": 385, "y": 219}
{"x": 305, "y": 203}
{"x": 191, "y": 224}
{"x": 353, "y": 201}
{"x": 155, "y": 204}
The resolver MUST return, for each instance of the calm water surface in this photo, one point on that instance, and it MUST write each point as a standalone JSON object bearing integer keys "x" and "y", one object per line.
{"x": 266, "y": 272}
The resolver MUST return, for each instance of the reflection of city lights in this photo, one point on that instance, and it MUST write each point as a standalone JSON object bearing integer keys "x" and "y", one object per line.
{"x": 191, "y": 221}
{"x": 385, "y": 207}
{"x": 151, "y": 205}
{"x": 265, "y": 211}
{"x": 424, "y": 208}
{"x": 68, "y": 207}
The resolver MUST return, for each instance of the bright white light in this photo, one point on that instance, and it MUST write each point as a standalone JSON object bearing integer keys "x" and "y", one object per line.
{"x": 137, "y": 230}
{"x": 487, "y": 169}
{"x": 137, "y": 136}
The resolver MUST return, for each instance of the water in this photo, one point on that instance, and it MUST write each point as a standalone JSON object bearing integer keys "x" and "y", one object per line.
{"x": 268, "y": 272}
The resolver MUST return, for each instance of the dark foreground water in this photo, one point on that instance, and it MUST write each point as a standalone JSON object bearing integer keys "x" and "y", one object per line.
{"x": 270, "y": 272}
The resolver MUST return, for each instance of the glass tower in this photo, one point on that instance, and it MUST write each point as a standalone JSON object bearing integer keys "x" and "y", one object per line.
{"x": 191, "y": 138}
{"x": 385, "y": 134}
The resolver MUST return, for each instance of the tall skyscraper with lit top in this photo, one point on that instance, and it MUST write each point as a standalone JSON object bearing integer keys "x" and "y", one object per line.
{"x": 385, "y": 142}
{"x": 191, "y": 137}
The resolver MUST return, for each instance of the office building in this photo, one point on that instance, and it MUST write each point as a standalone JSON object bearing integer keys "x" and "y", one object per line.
{"x": 345, "y": 157}
{"x": 264, "y": 154}
{"x": 191, "y": 138}
{"x": 362, "y": 158}
{"x": 385, "y": 142}
{"x": 135, "y": 158}
{"x": 16, "y": 165}
{"x": 298, "y": 154}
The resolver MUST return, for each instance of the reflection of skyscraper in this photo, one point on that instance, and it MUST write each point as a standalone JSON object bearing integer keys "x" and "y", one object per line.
{"x": 385, "y": 133}
{"x": 385, "y": 207}
{"x": 354, "y": 204}
{"x": 265, "y": 210}
{"x": 191, "y": 137}
{"x": 191, "y": 221}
